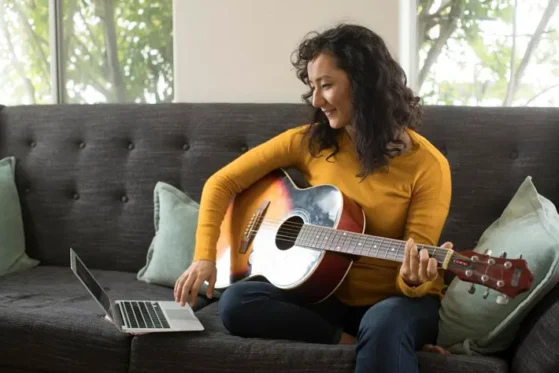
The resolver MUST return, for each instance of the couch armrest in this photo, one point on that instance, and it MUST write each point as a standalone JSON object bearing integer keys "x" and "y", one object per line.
{"x": 537, "y": 342}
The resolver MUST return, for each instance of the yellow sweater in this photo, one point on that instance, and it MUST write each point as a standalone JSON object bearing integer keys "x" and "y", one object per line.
{"x": 411, "y": 199}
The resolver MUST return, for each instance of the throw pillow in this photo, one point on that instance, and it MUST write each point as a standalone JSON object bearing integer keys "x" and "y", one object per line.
{"x": 529, "y": 226}
{"x": 172, "y": 248}
{"x": 13, "y": 257}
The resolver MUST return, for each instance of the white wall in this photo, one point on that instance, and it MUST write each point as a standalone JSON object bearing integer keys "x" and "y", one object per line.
{"x": 240, "y": 50}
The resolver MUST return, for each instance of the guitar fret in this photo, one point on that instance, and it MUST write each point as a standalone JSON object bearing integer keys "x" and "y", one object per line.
{"x": 360, "y": 240}
{"x": 308, "y": 237}
{"x": 344, "y": 242}
{"x": 335, "y": 243}
{"x": 353, "y": 243}
{"x": 300, "y": 241}
{"x": 304, "y": 236}
{"x": 315, "y": 237}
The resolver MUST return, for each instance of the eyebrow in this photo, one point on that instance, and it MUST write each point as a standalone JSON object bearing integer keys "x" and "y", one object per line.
{"x": 322, "y": 77}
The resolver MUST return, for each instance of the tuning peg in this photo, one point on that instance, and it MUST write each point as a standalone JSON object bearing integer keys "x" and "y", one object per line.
{"x": 502, "y": 299}
{"x": 503, "y": 254}
{"x": 520, "y": 256}
{"x": 487, "y": 252}
{"x": 472, "y": 289}
{"x": 486, "y": 293}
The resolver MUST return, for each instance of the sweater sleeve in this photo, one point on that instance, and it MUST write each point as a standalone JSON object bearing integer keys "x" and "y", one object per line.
{"x": 282, "y": 151}
{"x": 427, "y": 214}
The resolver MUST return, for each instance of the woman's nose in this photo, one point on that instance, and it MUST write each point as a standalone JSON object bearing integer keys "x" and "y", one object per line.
{"x": 317, "y": 99}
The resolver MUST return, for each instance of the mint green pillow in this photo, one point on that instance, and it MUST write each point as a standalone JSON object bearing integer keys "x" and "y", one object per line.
{"x": 172, "y": 248}
{"x": 529, "y": 226}
{"x": 13, "y": 257}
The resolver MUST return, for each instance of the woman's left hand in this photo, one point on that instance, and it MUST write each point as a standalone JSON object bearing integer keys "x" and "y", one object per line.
{"x": 418, "y": 268}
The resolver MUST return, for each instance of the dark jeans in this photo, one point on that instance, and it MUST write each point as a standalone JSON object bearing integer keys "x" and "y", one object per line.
{"x": 388, "y": 333}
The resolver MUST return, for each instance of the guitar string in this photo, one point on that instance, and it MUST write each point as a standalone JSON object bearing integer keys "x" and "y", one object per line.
{"x": 295, "y": 229}
{"x": 383, "y": 248}
{"x": 386, "y": 251}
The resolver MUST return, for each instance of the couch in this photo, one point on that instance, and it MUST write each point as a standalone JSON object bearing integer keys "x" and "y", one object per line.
{"x": 85, "y": 177}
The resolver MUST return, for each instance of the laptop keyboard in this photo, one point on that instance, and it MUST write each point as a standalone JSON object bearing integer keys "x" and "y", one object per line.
{"x": 144, "y": 315}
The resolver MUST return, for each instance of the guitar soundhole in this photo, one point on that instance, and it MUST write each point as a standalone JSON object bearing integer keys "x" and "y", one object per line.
{"x": 288, "y": 232}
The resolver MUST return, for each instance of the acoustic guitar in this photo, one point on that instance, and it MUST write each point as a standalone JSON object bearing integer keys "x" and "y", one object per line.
{"x": 304, "y": 240}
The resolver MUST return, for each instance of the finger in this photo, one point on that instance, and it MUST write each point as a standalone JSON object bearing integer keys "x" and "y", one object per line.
{"x": 178, "y": 286}
{"x": 405, "y": 268}
{"x": 211, "y": 285}
{"x": 195, "y": 289}
{"x": 414, "y": 263}
{"x": 423, "y": 261}
{"x": 432, "y": 272}
{"x": 186, "y": 289}
{"x": 447, "y": 245}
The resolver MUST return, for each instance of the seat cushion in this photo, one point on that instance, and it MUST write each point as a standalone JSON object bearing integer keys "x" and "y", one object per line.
{"x": 216, "y": 350}
{"x": 49, "y": 321}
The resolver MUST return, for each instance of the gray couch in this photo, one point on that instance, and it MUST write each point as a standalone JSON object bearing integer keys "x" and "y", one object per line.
{"x": 86, "y": 176}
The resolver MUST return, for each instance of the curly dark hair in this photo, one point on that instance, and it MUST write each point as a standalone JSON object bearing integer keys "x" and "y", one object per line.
{"x": 382, "y": 103}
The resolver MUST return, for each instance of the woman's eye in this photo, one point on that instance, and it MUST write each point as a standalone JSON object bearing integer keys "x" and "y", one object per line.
{"x": 324, "y": 86}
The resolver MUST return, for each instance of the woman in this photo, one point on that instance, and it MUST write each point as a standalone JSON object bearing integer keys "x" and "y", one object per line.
{"x": 363, "y": 140}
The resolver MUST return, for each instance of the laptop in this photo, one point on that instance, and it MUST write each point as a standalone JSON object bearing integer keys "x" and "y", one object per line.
{"x": 137, "y": 316}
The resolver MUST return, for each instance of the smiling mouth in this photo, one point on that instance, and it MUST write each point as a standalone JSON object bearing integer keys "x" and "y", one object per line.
{"x": 328, "y": 112}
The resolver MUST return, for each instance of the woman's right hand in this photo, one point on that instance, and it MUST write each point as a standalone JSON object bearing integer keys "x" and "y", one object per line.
{"x": 190, "y": 281}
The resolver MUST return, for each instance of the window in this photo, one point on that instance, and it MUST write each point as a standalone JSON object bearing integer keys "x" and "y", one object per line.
{"x": 86, "y": 51}
{"x": 488, "y": 52}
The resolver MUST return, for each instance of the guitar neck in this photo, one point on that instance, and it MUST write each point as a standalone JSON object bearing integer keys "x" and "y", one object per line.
{"x": 324, "y": 238}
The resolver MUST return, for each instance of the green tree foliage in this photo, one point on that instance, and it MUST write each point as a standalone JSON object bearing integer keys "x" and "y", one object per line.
{"x": 112, "y": 51}
{"x": 504, "y": 52}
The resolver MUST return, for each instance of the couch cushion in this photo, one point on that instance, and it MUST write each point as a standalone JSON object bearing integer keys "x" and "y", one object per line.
{"x": 529, "y": 226}
{"x": 13, "y": 257}
{"x": 172, "y": 249}
{"x": 537, "y": 349}
{"x": 216, "y": 350}
{"x": 48, "y": 319}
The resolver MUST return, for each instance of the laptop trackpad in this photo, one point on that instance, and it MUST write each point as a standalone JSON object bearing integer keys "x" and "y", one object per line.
{"x": 175, "y": 314}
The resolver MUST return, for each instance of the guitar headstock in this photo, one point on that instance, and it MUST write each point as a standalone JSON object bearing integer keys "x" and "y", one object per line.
{"x": 507, "y": 276}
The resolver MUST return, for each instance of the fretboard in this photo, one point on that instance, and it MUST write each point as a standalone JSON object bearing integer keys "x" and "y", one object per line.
{"x": 317, "y": 237}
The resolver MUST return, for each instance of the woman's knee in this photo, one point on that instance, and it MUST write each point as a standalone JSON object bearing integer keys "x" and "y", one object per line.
{"x": 393, "y": 317}
{"x": 230, "y": 306}
{"x": 236, "y": 302}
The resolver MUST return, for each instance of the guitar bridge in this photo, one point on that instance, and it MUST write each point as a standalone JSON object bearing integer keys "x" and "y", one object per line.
{"x": 253, "y": 226}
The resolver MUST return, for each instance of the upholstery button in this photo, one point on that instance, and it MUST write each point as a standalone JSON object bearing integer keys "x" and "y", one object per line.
{"x": 82, "y": 145}
{"x": 514, "y": 154}
{"x": 185, "y": 147}
{"x": 76, "y": 196}
{"x": 130, "y": 146}
{"x": 33, "y": 144}
{"x": 27, "y": 191}
{"x": 124, "y": 199}
{"x": 244, "y": 148}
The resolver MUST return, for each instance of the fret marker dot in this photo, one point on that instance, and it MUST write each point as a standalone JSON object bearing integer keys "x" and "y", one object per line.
{"x": 359, "y": 243}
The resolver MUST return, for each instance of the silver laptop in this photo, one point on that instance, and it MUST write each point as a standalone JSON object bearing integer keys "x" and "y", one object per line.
{"x": 137, "y": 316}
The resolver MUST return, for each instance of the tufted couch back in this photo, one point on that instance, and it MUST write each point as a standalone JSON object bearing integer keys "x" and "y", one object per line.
{"x": 86, "y": 174}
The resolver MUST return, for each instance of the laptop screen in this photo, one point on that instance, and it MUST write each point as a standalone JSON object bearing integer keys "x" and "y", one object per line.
{"x": 90, "y": 283}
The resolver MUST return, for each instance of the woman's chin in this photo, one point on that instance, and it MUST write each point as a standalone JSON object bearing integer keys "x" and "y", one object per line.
{"x": 335, "y": 124}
